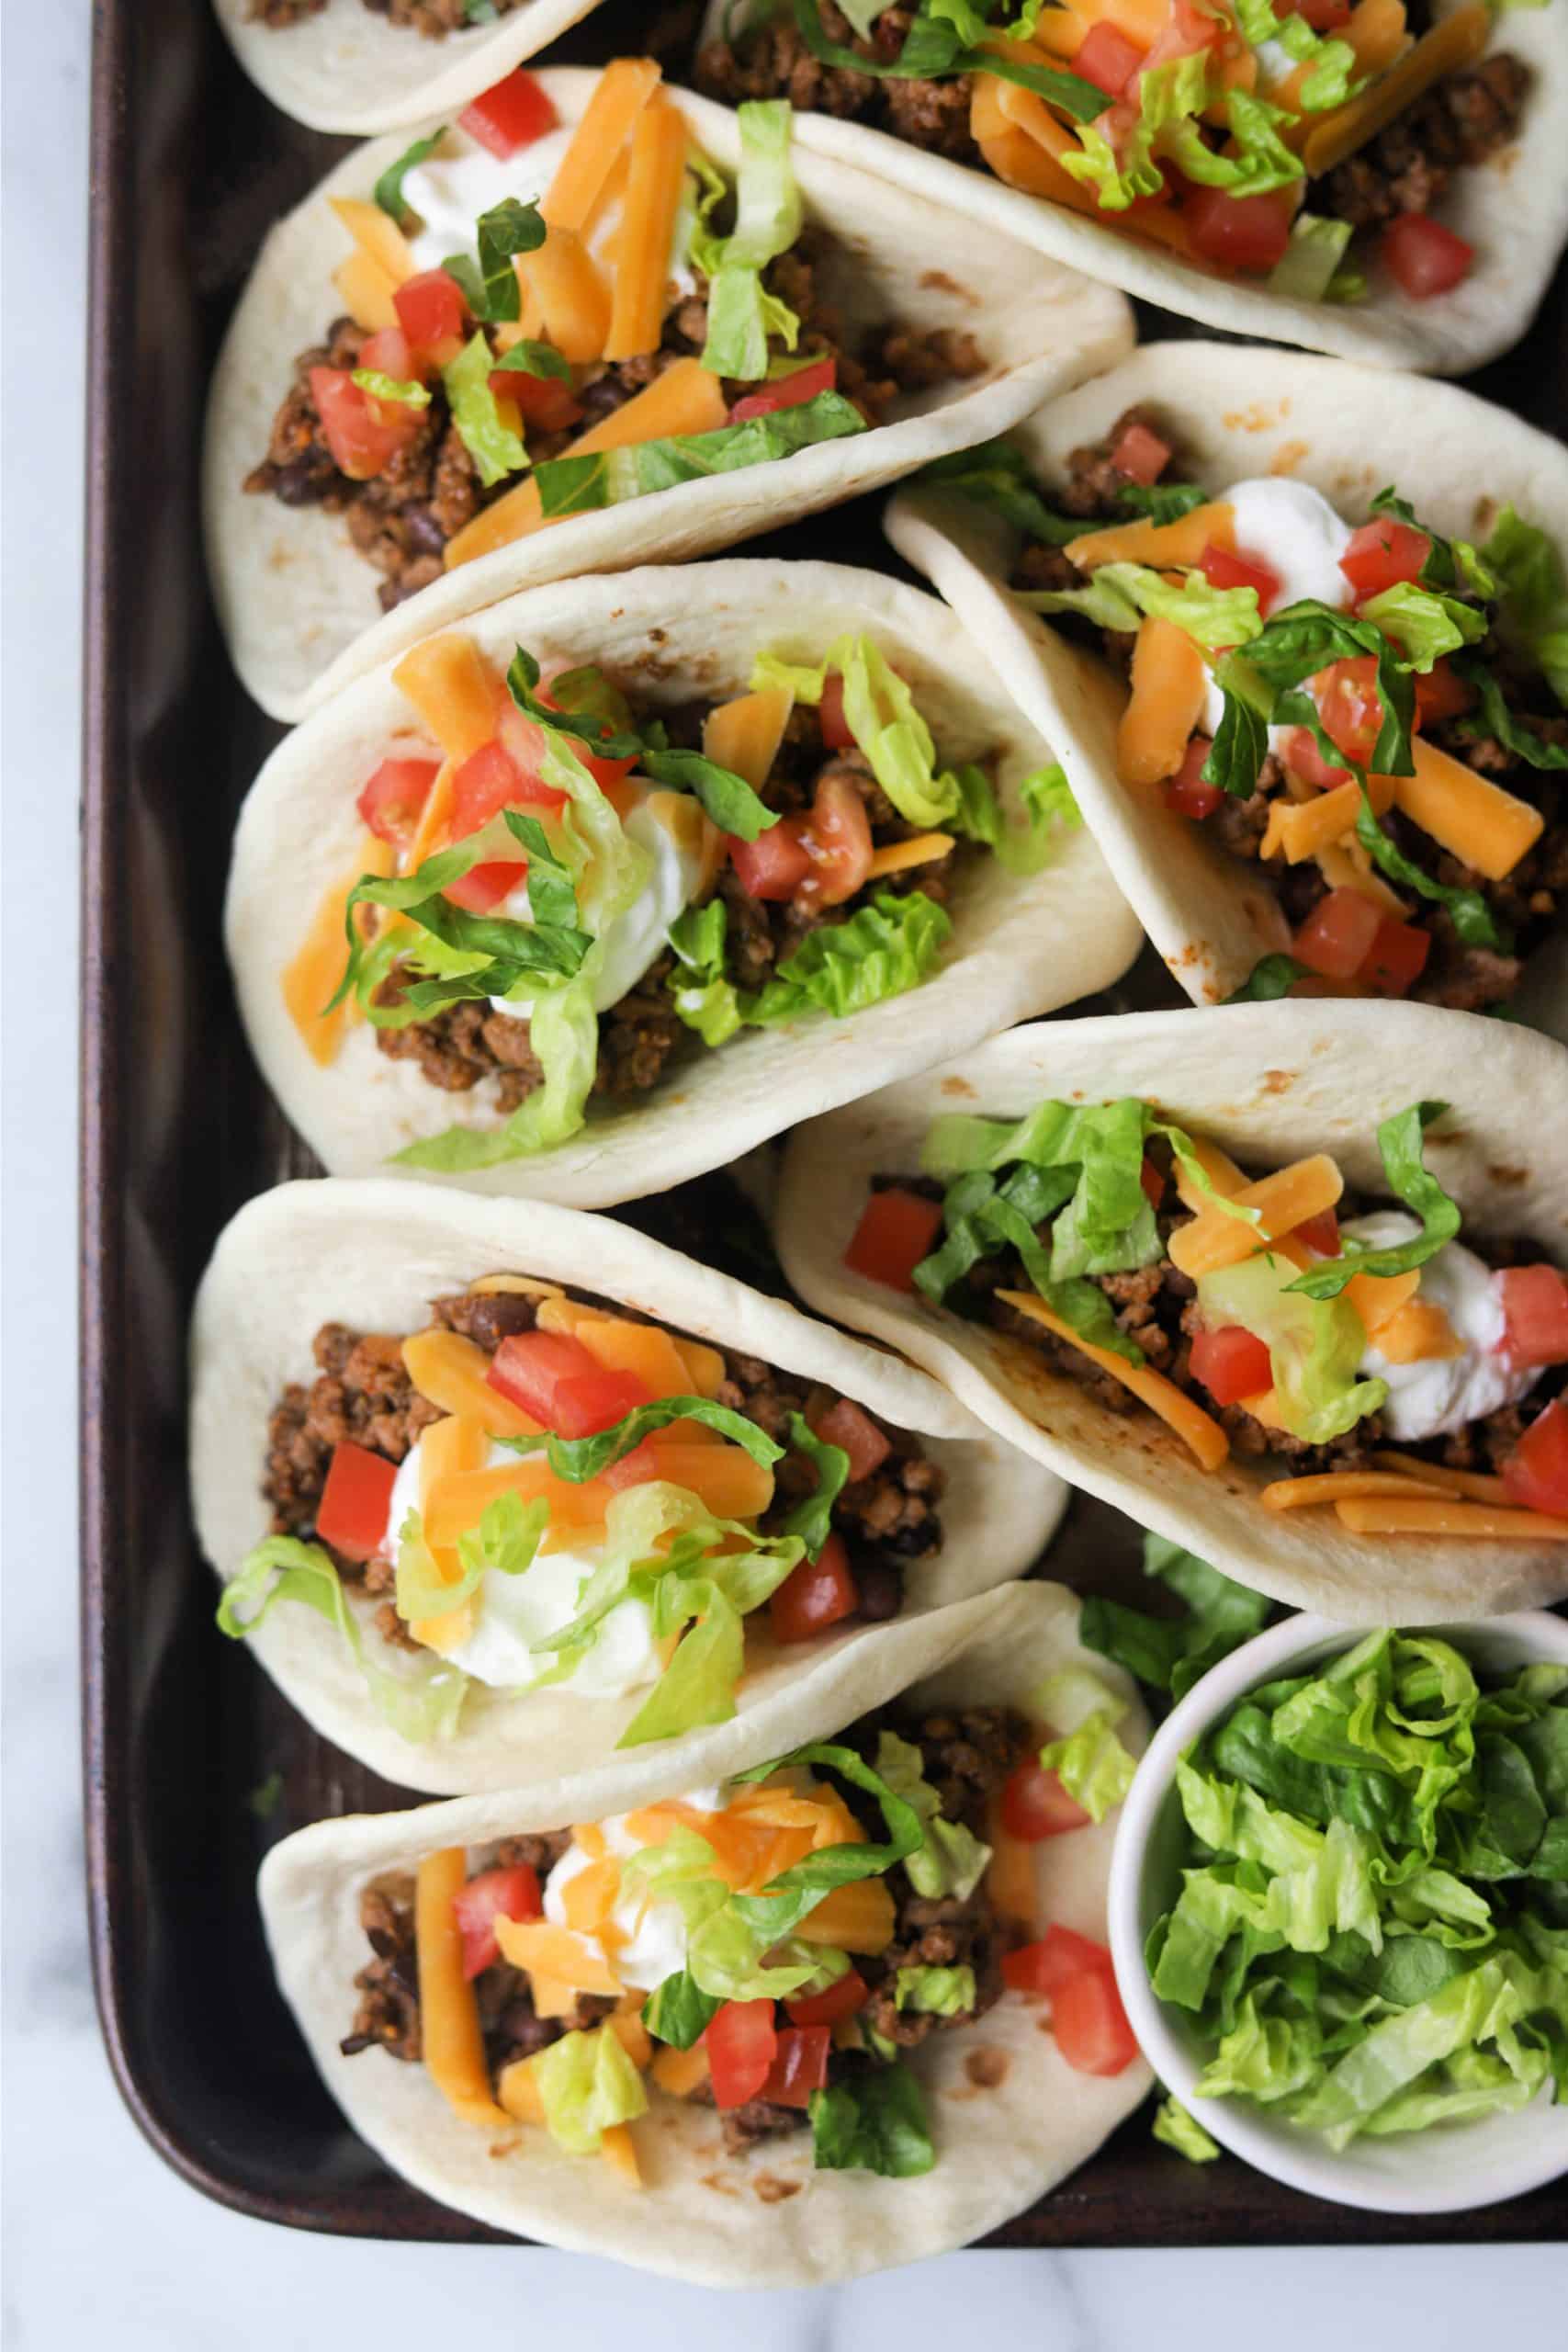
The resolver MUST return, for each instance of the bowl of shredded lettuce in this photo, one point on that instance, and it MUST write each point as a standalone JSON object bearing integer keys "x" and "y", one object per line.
{"x": 1339, "y": 1910}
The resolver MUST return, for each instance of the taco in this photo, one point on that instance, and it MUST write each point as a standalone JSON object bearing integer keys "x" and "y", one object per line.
{"x": 444, "y": 1427}
{"x": 636, "y": 918}
{"x": 365, "y": 65}
{"x": 1333, "y": 1364}
{"x": 576, "y": 2014}
{"x": 1382, "y": 180}
{"x": 1324, "y": 744}
{"x": 676, "y": 332}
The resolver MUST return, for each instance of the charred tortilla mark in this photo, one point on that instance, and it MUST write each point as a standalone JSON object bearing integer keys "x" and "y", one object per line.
{"x": 986, "y": 2067}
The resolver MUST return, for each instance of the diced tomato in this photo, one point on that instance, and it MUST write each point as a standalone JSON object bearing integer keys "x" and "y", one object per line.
{"x": 1037, "y": 1805}
{"x": 351, "y": 1514}
{"x": 741, "y": 2041}
{"x": 393, "y": 798}
{"x": 1423, "y": 258}
{"x": 1535, "y": 1474}
{"x": 1320, "y": 1234}
{"x": 835, "y": 727}
{"x": 1324, "y": 16}
{"x": 485, "y": 784}
{"x": 529, "y": 1366}
{"x": 525, "y": 743}
{"x": 635, "y": 1469}
{"x": 1246, "y": 232}
{"x": 842, "y": 1999}
{"x": 837, "y": 839}
{"x": 363, "y": 435}
{"x": 1107, "y": 57}
{"x": 815, "y": 1595}
{"x": 1382, "y": 553}
{"x": 430, "y": 309}
{"x": 548, "y": 402}
{"x": 1231, "y": 1363}
{"x": 1298, "y": 749}
{"x": 1090, "y": 2025}
{"x": 1138, "y": 451}
{"x": 1232, "y": 568}
{"x": 387, "y": 353}
{"x": 801, "y": 2065}
{"x": 1152, "y": 1182}
{"x": 896, "y": 1230}
{"x": 789, "y": 392}
{"x": 1186, "y": 791}
{"x": 1336, "y": 937}
{"x": 509, "y": 1893}
{"x": 1348, "y": 704}
{"x": 1535, "y": 1315}
{"x": 597, "y": 1401}
{"x": 1440, "y": 693}
{"x": 1059, "y": 1956}
{"x": 511, "y": 115}
{"x": 775, "y": 865}
{"x": 481, "y": 889}
{"x": 849, "y": 1425}
{"x": 1396, "y": 958}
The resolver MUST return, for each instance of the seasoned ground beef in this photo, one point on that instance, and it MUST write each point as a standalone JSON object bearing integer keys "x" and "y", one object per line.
{"x": 1407, "y": 168}
{"x": 775, "y": 62}
{"x": 464, "y": 1043}
{"x": 433, "y": 18}
{"x": 388, "y": 2015}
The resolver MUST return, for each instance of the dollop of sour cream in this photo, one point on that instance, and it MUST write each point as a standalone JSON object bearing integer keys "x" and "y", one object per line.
{"x": 1293, "y": 530}
{"x": 1441, "y": 1394}
{"x": 451, "y": 188}
{"x": 512, "y": 1613}
{"x": 653, "y": 1932}
{"x": 634, "y": 940}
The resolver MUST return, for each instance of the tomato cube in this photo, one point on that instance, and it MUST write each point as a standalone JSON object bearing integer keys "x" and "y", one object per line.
{"x": 1320, "y": 1234}
{"x": 1423, "y": 258}
{"x": 1186, "y": 791}
{"x": 1298, "y": 749}
{"x": 355, "y": 1500}
{"x": 481, "y": 889}
{"x": 842, "y": 1999}
{"x": 511, "y": 1893}
{"x": 837, "y": 735}
{"x": 1347, "y": 705}
{"x": 1381, "y": 554}
{"x": 1238, "y": 233}
{"x": 1231, "y": 1363}
{"x": 1090, "y": 2025}
{"x": 1535, "y": 1315}
{"x": 849, "y": 1425}
{"x": 1535, "y": 1474}
{"x": 800, "y": 2066}
{"x": 1059, "y": 1956}
{"x": 1336, "y": 937}
{"x": 789, "y": 392}
{"x": 488, "y": 782}
{"x": 528, "y": 1367}
{"x": 1396, "y": 958}
{"x": 1037, "y": 1805}
{"x": 775, "y": 865}
{"x": 526, "y": 742}
{"x": 1107, "y": 57}
{"x": 896, "y": 1230}
{"x": 510, "y": 115}
{"x": 430, "y": 309}
{"x": 587, "y": 1402}
{"x": 392, "y": 800}
{"x": 815, "y": 1595}
{"x": 741, "y": 2041}
{"x": 1232, "y": 568}
{"x": 363, "y": 435}
{"x": 1440, "y": 693}
{"x": 547, "y": 401}
{"x": 387, "y": 353}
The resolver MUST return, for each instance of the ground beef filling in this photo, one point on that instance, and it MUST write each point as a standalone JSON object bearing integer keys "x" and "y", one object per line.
{"x": 1156, "y": 1306}
{"x": 966, "y": 1757}
{"x": 433, "y": 18}
{"x": 1528, "y": 904}
{"x": 402, "y": 519}
{"x": 467, "y": 1043}
{"x": 363, "y": 1394}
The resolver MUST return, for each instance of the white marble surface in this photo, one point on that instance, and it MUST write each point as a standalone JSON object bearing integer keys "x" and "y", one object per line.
{"x": 102, "y": 2244}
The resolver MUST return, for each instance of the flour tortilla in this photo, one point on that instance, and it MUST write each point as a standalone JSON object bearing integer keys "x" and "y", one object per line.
{"x": 349, "y": 70}
{"x": 1235, "y": 414}
{"x": 1269, "y": 1083}
{"x": 373, "y": 1256}
{"x": 299, "y": 606}
{"x": 1514, "y": 210}
{"x": 1018, "y": 948}
{"x": 765, "y": 2219}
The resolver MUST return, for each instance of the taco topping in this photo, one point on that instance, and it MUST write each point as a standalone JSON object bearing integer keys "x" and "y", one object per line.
{"x": 772, "y": 1947}
{"x": 563, "y": 892}
{"x": 611, "y": 338}
{"x": 1300, "y": 146}
{"x": 433, "y": 18}
{"x": 1408, "y": 1380}
{"x": 540, "y": 1488}
{"x": 1373, "y": 717}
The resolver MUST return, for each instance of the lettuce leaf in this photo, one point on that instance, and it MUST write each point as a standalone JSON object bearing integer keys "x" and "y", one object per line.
{"x": 884, "y": 949}
{"x": 586, "y": 2083}
{"x": 1174, "y": 2128}
{"x": 1096, "y": 1769}
{"x": 943, "y": 41}
{"x": 1307, "y": 270}
{"x": 935, "y": 1991}
{"x": 812, "y": 1517}
{"x": 1170, "y": 1654}
{"x": 1270, "y": 977}
{"x": 949, "y": 1860}
{"x": 581, "y": 485}
{"x": 388, "y": 191}
{"x": 1423, "y": 624}
{"x": 580, "y": 1458}
{"x": 1315, "y": 1344}
{"x": 1401, "y": 1146}
{"x": 768, "y": 221}
{"x": 506, "y": 1540}
{"x": 406, "y": 392}
{"x": 490, "y": 290}
{"x": 872, "y": 2123}
{"x": 1534, "y": 595}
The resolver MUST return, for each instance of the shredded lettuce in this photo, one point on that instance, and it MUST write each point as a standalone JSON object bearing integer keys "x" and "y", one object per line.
{"x": 935, "y": 1991}
{"x": 1424, "y": 624}
{"x": 406, "y": 392}
{"x": 1401, "y": 1146}
{"x": 580, "y": 1458}
{"x": 1260, "y": 159}
{"x": 496, "y": 449}
{"x": 944, "y": 40}
{"x": 1176, "y": 2129}
{"x": 812, "y": 1517}
{"x": 768, "y": 221}
{"x": 490, "y": 290}
{"x": 1168, "y": 95}
{"x": 1333, "y": 63}
{"x": 950, "y": 1861}
{"x": 1534, "y": 595}
{"x": 1095, "y": 1769}
{"x": 1270, "y": 977}
{"x": 1169, "y": 1654}
{"x": 1307, "y": 268}
{"x": 1315, "y": 1344}
{"x": 579, "y": 485}
{"x": 872, "y": 2123}
{"x": 506, "y": 1540}
{"x": 586, "y": 2083}
{"x": 389, "y": 188}
{"x": 882, "y": 949}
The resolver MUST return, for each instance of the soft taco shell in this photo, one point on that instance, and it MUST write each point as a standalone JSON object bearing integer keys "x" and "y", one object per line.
{"x": 1269, "y": 1082}
{"x": 1513, "y": 209}
{"x": 1018, "y": 948}
{"x": 373, "y": 1256}
{"x": 348, "y": 69}
{"x": 1237, "y": 414}
{"x": 299, "y": 606}
{"x": 764, "y": 2219}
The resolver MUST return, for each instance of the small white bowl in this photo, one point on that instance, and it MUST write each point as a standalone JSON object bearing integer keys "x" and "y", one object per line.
{"x": 1445, "y": 2169}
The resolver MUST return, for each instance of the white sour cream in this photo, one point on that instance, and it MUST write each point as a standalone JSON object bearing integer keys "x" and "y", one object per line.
{"x": 636, "y": 939}
{"x": 655, "y": 1932}
{"x": 512, "y": 1614}
{"x": 450, "y": 190}
{"x": 1439, "y": 1396}
{"x": 1293, "y": 530}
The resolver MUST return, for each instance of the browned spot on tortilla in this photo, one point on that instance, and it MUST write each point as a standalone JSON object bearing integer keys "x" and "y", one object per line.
{"x": 1279, "y": 1081}
{"x": 1288, "y": 456}
{"x": 505, "y": 2147}
{"x": 1259, "y": 417}
{"x": 1512, "y": 1177}
{"x": 658, "y": 636}
{"x": 1042, "y": 2025}
{"x": 773, "y": 2191}
{"x": 986, "y": 2067}
{"x": 721, "y": 2184}
{"x": 1485, "y": 512}
{"x": 958, "y": 1086}
{"x": 937, "y": 281}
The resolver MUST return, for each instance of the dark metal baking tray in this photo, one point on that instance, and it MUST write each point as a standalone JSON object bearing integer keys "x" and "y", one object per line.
{"x": 189, "y": 166}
